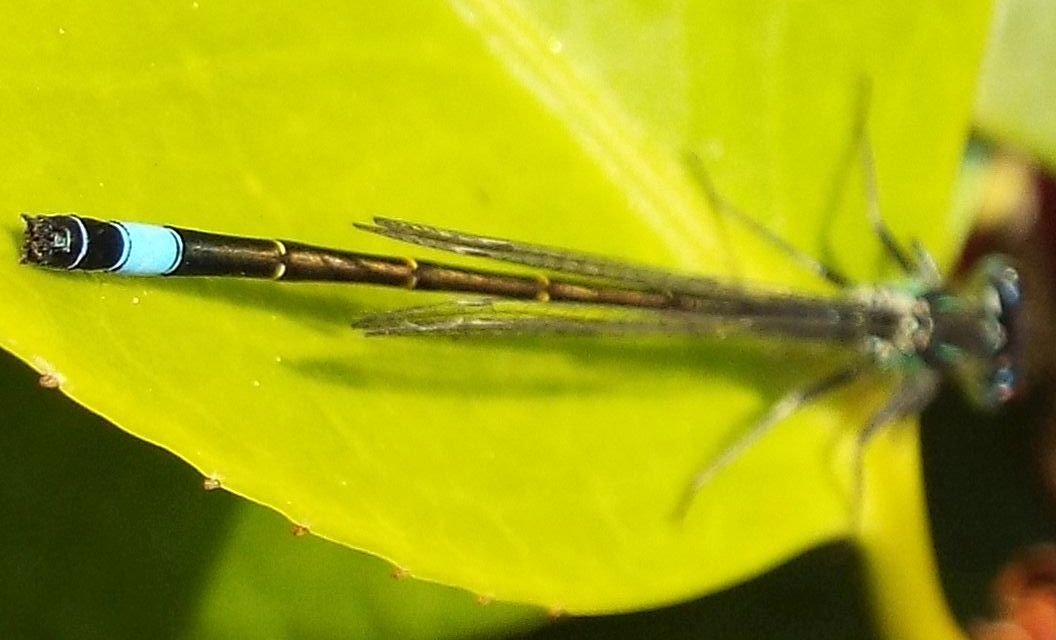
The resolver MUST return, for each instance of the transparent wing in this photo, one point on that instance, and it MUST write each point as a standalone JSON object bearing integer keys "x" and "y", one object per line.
{"x": 501, "y": 317}
{"x": 542, "y": 257}
{"x": 516, "y": 317}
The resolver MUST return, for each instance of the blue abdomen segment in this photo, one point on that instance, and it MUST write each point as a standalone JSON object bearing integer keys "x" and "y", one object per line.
{"x": 71, "y": 242}
{"x": 149, "y": 250}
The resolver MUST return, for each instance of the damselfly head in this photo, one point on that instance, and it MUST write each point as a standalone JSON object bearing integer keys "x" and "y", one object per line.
{"x": 56, "y": 242}
{"x": 978, "y": 332}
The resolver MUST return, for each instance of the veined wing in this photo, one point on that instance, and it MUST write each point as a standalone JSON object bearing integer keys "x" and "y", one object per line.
{"x": 514, "y": 317}
{"x": 539, "y": 256}
{"x": 502, "y": 317}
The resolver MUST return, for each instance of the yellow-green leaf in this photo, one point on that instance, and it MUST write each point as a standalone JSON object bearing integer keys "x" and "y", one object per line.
{"x": 543, "y": 471}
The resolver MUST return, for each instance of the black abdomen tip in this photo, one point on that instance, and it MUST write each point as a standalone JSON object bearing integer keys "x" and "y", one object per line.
{"x": 56, "y": 242}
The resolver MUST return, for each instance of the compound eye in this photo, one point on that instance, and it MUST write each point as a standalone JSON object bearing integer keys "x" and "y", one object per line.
{"x": 1001, "y": 387}
{"x": 1005, "y": 281}
{"x": 1003, "y": 379}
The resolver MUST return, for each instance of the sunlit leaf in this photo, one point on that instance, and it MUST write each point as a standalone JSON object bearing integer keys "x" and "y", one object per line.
{"x": 543, "y": 471}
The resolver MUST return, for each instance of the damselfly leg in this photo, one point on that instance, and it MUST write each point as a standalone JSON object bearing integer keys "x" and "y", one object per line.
{"x": 780, "y": 411}
{"x": 695, "y": 167}
{"x": 910, "y": 397}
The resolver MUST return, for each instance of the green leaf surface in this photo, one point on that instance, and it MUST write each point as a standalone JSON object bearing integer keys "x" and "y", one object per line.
{"x": 1018, "y": 84}
{"x": 107, "y": 537}
{"x": 542, "y": 471}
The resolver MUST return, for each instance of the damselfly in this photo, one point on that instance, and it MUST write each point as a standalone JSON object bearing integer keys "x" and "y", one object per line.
{"x": 918, "y": 333}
